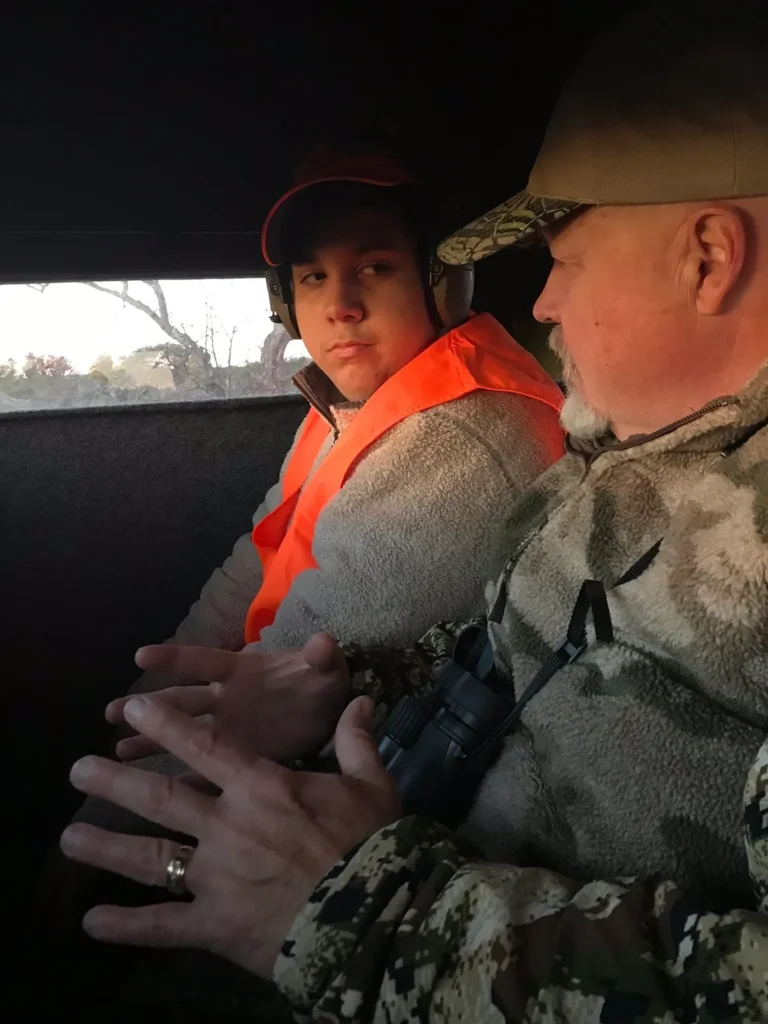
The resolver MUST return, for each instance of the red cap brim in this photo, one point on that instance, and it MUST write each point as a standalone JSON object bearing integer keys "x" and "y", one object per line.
{"x": 270, "y": 241}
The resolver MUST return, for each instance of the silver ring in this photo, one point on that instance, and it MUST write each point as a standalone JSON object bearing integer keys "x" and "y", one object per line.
{"x": 177, "y": 869}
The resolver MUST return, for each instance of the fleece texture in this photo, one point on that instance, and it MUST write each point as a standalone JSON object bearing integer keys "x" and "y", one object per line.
{"x": 412, "y": 537}
{"x": 632, "y": 760}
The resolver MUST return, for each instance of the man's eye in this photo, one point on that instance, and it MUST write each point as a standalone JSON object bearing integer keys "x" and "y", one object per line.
{"x": 567, "y": 259}
{"x": 376, "y": 268}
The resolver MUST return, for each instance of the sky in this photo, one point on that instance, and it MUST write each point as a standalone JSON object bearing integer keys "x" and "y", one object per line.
{"x": 75, "y": 321}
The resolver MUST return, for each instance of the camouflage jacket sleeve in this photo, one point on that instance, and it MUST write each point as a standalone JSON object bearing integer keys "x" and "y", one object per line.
{"x": 386, "y": 674}
{"x": 412, "y": 927}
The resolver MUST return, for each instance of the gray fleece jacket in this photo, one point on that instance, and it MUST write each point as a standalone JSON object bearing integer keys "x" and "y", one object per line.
{"x": 632, "y": 759}
{"x": 417, "y": 530}
{"x": 413, "y": 536}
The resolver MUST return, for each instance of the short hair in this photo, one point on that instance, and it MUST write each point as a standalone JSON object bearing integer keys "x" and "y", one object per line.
{"x": 326, "y": 199}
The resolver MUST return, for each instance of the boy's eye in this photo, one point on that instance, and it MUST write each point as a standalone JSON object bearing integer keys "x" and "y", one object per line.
{"x": 313, "y": 277}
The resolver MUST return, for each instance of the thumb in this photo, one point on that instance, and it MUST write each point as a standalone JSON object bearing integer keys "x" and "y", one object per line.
{"x": 356, "y": 750}
{"x": 322, "y": 652}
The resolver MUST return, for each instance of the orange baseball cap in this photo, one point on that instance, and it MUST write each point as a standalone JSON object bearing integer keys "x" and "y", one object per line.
{"x": 322, "y": 166}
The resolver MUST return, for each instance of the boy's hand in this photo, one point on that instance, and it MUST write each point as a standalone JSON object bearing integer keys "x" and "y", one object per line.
{"x": 280, "y": 705}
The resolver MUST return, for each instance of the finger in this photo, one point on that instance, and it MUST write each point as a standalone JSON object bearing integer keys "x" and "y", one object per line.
{"x": 134, "y": 747}
{"x": 322, "y": 652}
{"x": 204, "y": 664}
{"x": 164, "y": 924}
{"x": 197, "y": 782}
{"x": 144, "y": 859}
{"x": 192, "y": 741}
{"x": 160, "y": 798}
{"x": 113, "y": 712}
{"x": 192, "y": 699}
{"x": 356, "y": 750}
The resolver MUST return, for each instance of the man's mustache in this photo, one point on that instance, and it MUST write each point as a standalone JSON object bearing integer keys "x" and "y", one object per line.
{"x": 556, "y": 342}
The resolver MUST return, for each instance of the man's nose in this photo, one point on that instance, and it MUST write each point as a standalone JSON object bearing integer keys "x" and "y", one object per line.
{"x": 545, "y": 309}
{"x": 345, "y": 303}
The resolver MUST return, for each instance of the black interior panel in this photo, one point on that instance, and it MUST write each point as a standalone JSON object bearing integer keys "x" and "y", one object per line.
{"x": 110, "y": 522}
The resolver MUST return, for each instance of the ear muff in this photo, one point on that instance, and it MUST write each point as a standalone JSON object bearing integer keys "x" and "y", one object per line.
{"x": 281, "y": 300}
{"x": 450, "y": 290}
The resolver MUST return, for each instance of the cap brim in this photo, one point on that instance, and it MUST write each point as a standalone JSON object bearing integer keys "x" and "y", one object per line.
{"x": 518, "y": 221}
{"x": 292, "y": 203}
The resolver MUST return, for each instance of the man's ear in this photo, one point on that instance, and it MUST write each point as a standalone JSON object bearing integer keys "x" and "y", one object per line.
{"x": 715, "y": 257}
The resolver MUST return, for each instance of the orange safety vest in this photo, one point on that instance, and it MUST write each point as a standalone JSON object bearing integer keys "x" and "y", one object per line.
{"x": 478, "y": 355}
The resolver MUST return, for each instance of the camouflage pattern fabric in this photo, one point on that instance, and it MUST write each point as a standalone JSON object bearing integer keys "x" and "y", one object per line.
{"x": 411, "y": 926}
{"x": 756, "y": 828}
{"x": 631, "y": 760}
{"x": 517, "y": 221}
{"x": 387, "y": 675}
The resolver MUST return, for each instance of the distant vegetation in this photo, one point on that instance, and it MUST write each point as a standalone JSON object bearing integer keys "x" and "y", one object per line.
{"x": 182, "y": 368}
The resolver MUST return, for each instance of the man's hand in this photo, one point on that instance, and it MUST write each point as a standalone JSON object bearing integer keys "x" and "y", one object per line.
{"x": 282, "y": 704}
{"x": 263, "y": 844}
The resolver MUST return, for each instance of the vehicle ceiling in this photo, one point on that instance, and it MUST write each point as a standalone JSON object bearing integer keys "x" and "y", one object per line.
{"x": 153, "y": 142}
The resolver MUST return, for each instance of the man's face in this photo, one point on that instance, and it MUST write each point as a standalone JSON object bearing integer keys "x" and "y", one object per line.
{"x": 626, "y": 334}
{"x": 359, "y": 299}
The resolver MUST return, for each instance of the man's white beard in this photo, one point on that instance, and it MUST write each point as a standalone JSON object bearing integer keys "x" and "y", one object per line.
{"x": 577, "y": 416}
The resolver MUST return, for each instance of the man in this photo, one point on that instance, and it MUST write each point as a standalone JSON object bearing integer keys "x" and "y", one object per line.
{"x": 651, "y": 189}
{"x": 659, "y": 295}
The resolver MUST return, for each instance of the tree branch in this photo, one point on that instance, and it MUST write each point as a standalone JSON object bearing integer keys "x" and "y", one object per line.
{"x": 160, "y": 318}
{"x": 162, "y": 305}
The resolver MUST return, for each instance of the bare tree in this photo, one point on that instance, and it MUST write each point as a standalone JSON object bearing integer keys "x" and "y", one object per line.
{"x": 198, "y": 364}
{"x": 273, "y": 354}
{"x": 188, "y": 360}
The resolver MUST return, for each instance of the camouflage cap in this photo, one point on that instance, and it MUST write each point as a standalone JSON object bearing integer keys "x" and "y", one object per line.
{"x": 670, "y": 107}
{"x": 517, "y": 221}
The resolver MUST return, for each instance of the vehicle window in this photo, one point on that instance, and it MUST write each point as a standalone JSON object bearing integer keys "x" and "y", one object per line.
{"x": 118, "y": 342}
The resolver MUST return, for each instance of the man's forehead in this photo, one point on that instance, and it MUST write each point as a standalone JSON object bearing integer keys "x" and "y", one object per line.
{"x": 571, "y": 225}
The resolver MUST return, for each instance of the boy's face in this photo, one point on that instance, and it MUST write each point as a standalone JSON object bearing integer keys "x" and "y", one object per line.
{"x": 359, "y": 299}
